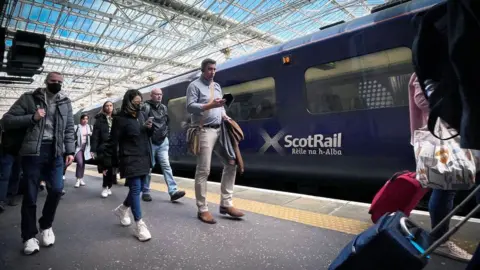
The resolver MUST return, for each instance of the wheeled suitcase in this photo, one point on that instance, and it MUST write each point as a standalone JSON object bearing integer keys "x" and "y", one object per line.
{"x": 402, "y": 192}
{"x": 395, "y": 242}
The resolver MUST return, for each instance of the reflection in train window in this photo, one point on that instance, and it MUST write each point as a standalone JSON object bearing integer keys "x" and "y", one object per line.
{"x": 253, "y": 99}
{"x": 377, "y": 80}
{"x": 177, "y": 112}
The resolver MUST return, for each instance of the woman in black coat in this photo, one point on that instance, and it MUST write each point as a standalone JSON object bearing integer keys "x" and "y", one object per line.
{"x": 99, "y": 146}
{"x": 132, "y": 152}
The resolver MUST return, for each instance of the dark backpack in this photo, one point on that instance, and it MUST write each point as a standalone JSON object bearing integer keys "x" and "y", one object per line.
{"x": 445, "y": 58}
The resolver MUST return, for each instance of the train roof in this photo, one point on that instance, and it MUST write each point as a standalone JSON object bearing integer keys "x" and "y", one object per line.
{"x": 332, "y": 31}
{"x": 305, "y": 40}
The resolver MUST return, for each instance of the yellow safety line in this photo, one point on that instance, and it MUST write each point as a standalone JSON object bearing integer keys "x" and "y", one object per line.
{"x": 324, "y": 221}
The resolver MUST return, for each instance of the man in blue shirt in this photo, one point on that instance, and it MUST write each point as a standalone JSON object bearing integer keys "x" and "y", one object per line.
{"x": 205, "y": 104}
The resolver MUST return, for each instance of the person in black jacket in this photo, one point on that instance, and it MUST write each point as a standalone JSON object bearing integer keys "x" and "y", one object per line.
{"x": 160, "y": 145}
{"x": 48, "y": 144}
{"x": 10, "y": 166}
{"x": 99, "y": 146}
{"x": 131, "y": 150}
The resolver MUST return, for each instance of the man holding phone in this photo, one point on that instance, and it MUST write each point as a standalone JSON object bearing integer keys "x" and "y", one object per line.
{"x": 49, "y": 143}
{"x": 206, "y": 106}
{"x": 157, "y": 115}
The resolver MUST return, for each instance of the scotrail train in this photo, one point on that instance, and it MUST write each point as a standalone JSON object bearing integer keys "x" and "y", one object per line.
{"x": 330, "y": 106}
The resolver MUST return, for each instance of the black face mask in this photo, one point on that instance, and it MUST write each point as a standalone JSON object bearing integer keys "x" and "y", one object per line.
{"x": 54, "y": 87}
{"x": 137, "y": 107}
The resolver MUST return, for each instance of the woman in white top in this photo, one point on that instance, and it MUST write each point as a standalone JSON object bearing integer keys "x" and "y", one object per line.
{"x": 83, "y": 131}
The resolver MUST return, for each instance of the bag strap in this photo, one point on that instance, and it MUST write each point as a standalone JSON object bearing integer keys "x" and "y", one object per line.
{"x": 212, "y": 89}
{"x": 432, "y": 121}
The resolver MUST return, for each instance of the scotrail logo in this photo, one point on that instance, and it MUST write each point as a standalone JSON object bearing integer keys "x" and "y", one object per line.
{"x": 317, "y": 144}
{"x": 273, "y": 142}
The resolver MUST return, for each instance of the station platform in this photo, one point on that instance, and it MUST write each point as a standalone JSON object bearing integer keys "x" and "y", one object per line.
{"x": 279, "y": 231}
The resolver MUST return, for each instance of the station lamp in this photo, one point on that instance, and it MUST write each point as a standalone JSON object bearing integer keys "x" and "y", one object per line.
{"x": 26, "y": 54}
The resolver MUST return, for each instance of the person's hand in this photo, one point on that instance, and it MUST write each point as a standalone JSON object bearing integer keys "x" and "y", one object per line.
{"x": 226, "y": 117}
{"x": 105, "y": 172}
{"x": 68, "y": 160}
{"x": 148, "y": 124}
{"x": 39, "y": 114}
{"x": 216, "y": 103}
{"x": 92, "y": 154}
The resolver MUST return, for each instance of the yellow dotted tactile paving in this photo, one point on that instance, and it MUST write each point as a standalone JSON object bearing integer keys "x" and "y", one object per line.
{"x": 340, "y": 224}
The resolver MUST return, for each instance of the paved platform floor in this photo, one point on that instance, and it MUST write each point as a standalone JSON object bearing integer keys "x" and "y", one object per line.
{"x": 89, "y": 237}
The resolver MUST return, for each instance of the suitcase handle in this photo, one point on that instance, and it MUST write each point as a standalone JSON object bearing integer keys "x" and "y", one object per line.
{"x": 403, "y": 226}
{"x": 450, "y": 233}
{"x": 452, "y": 213}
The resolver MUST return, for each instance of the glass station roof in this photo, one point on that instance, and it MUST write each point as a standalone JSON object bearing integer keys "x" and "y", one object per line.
{"x": 104, "y": 47}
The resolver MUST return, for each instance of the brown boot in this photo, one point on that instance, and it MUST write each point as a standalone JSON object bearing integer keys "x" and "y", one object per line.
{"x": 232, "y": 211}
{"x": 206, "y": 217}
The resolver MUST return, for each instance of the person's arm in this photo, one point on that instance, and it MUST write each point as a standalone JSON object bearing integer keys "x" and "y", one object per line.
{"x": 17, "y": 116}
{"x": 419, "y": 97}
{"x": 224, "y": 112}
{"x": 193, "y": 106}
{"x": 95, "y": 139}
{"x": 69, "y": 139}
{"x": 115, "y": 138}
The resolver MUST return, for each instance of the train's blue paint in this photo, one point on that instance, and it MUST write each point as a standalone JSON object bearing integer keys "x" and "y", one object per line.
{"x": 358, "y": 145}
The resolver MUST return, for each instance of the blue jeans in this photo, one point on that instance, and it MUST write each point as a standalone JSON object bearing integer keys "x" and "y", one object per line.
{"x": 50, "y": 167}
{"x": 135, "y": 185}
{"x": 9, "y": 175}
{"x": 439, "y": 206}
{"x": 160, "y": 155}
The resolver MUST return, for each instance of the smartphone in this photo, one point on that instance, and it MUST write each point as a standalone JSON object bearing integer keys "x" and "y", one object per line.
{"x": 150, "y": 119}
{"x": 228, "y": 99}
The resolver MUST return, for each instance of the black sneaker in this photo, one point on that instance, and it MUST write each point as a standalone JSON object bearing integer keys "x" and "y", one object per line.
{"x": 177, "y": 195}
{"x": 146, "y": 197}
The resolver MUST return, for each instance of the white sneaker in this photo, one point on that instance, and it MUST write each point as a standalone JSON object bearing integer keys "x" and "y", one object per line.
{"x": 47, "y": 237}
{"x": 451, "y": 250}
{"x": 77, "y": 184}
{"x": 82, "y": 183}
{"x": 105, "y": 192}
{"x": 109, "y": 191}
{"x": 122, "y": 213}
{"x": 31, "y": 246}
{"x": 64, "y": 178}
{"x": 142, "y": 232}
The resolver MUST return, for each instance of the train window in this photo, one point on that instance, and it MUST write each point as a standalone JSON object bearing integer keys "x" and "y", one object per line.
{"x": 253, "y": 99}
{"x": 177, "y": 112}
{"x": 377, "y": 80}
